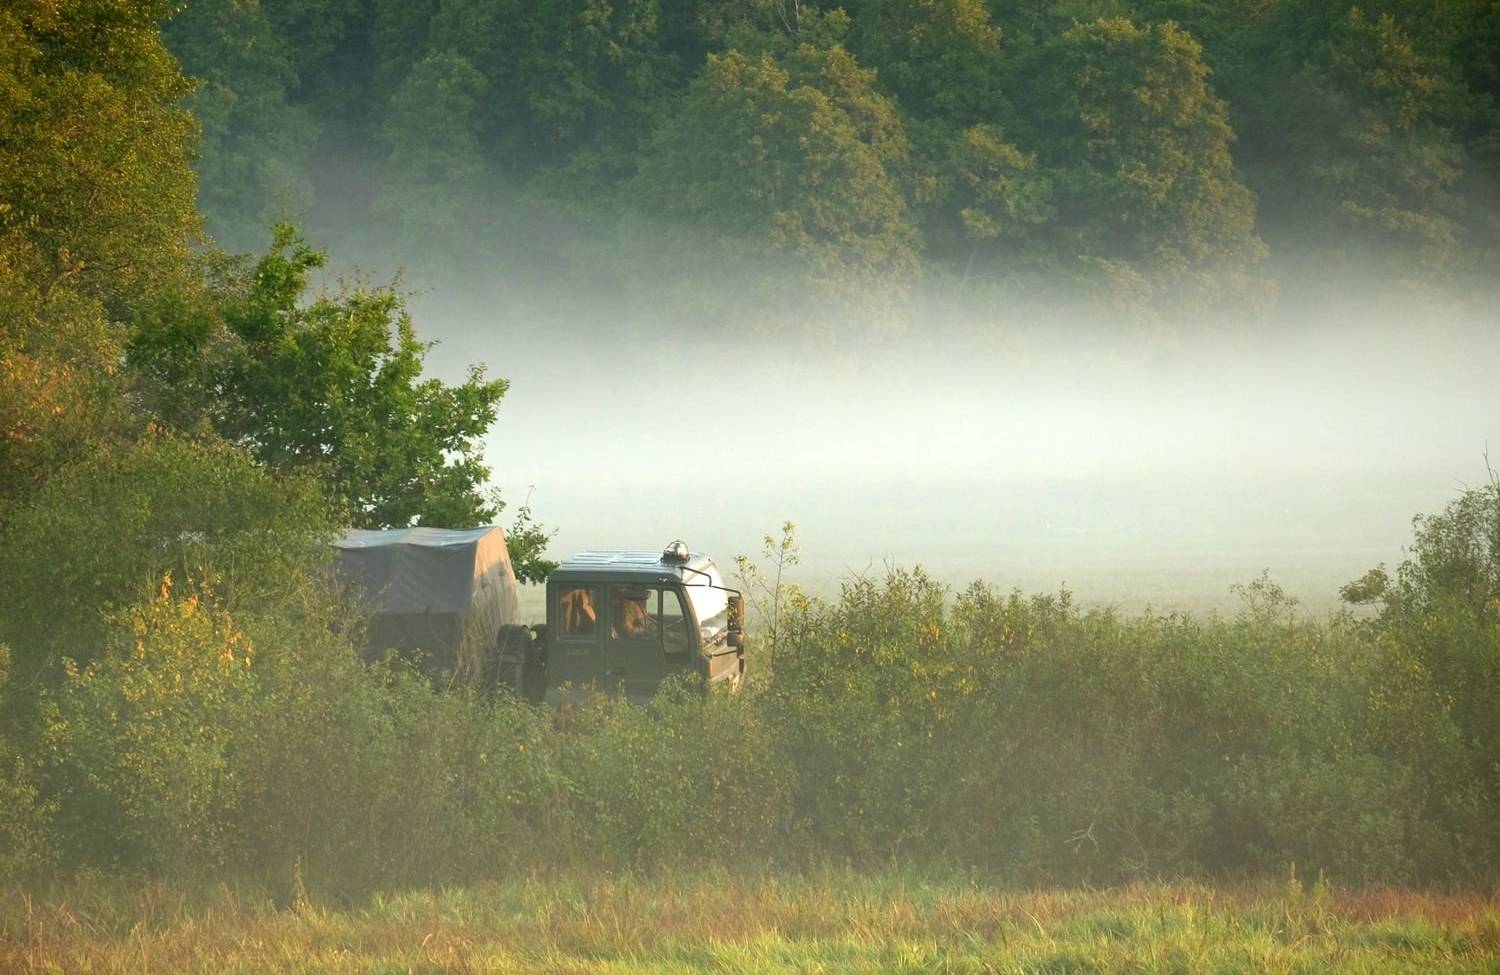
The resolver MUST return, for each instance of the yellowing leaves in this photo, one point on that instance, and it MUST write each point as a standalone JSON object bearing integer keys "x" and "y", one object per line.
{"x": 188, "y": 631}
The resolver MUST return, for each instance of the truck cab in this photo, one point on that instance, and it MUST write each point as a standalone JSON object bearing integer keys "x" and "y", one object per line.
{"x": 623, "y": 622}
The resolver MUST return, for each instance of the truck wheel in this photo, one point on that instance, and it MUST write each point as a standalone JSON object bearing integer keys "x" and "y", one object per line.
{"x": 515, "y": 647}
{"x": 534, "y": 680}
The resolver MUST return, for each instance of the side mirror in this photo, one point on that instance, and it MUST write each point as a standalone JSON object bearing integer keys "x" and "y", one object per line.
{"x": 737, "y": 639}
{"x": 736, "y": 612}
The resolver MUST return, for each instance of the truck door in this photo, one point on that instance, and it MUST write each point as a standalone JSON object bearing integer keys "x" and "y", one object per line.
{"x": 677, "y": 632}
{"x": 633, "y": 660}
{"x": 576, "y": 656}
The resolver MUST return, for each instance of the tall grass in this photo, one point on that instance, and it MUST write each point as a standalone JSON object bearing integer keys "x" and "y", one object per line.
{"x": 829, "y": 920}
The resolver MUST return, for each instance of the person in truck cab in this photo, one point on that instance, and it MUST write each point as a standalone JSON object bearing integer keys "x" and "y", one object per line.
{"x": 633, "y": 619}
{"x": 577, "y": 610}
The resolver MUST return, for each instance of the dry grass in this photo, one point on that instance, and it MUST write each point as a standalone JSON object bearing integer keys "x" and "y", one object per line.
{"x": 832, "y": 922}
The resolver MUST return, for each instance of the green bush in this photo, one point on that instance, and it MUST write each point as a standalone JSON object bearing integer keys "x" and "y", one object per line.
{"x": 27, "y": 841}
{"x": 860, "y": 693}
{"x": 151, "y": 736}
{"x": 1017, "y": 735}
{"x": 692, "y": 777}
{"x": 1028, "y": 737}
{"x": 1437, "y": 707}
{"x": 102, "y": 532}
{"x": 196, "y": 746}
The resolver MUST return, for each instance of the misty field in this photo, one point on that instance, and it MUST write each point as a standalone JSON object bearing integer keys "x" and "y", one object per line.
{"x": 822, "y": 922}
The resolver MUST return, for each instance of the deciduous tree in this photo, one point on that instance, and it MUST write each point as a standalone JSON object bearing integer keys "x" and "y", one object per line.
{"x": 1137, "y": 145}
{"x": 438, "y": 177}
{"x": 254, "y": 156}
{"x": 334, "y": 386}
{"x": 786, "y": 163}
{"x": 940, "y": 58}
{"x": 96, "y": 210}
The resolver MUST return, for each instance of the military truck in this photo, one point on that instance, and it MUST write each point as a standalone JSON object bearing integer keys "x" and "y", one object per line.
{"x": 446, "y": 601}
{"x": 623, "y": 622}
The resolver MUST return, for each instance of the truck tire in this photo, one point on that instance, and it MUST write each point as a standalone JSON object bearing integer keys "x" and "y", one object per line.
{"x": 514, "y": 642}
{"x": 534, "y": 680}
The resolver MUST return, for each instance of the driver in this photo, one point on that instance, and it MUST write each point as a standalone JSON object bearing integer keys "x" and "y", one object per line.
{"x": 633, "y": 621}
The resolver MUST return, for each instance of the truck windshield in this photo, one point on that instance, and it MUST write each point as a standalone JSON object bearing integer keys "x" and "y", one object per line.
{"x": 711, "y": 606}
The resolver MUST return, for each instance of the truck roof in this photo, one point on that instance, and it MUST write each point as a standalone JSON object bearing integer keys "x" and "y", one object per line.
{"x": 641, "y": 566}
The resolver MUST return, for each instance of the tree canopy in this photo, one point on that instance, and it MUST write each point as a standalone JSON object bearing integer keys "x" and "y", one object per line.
{"x": 330, "y": 386}
{"x": 790, "y": 157}
{"x": 1143, "y": 180}
{"x": 121, "y": 324}
{"x": 1304, "y": 132}
{"x": 96, "y": 210}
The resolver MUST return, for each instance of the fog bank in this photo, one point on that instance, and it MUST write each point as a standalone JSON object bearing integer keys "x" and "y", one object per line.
{"x": 1138, "y": 470}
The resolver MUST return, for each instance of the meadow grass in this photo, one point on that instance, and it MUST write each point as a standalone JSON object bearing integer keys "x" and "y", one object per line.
{"x": 828, "y": 921}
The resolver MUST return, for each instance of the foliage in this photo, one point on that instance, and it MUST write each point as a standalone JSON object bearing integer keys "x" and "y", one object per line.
{"x": 26, "y": 818}
{"x": 253, "y": 162}
{"x": 651, "y": 788}
{"x": 105, "y": 529}
{"x": 150, "y": 730}
{"x": 335, "y": 385}
{"x": 332, "y": 387}
{"x": 96, "y": 210}
{"x": 940, "y": 58}
{"x": 786, "y": 163}
{"x": 1389, "y": 175}
{"x": 987, "y": 201}
{"x": 1358, "y": 134}
{"x": 1016, "y": 736}
{"x": 438, "y": 170}
{"x": 561, "y": 74}
{"x": 1146, "y": 192}
{"x": 1439, "y": 636}
{"x": 430, "y": 781}
{"x": 58, "y": 385}
{"x": 94, "y": 184}
{"x": 769, "y": 593}
{"x": 526, "y": 542}
{"x": 1027, "y": 737}
{"x": 26, "y": 827}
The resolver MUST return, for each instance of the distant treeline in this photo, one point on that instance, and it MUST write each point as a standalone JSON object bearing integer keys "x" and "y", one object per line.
{"x": 1149, "y": 152}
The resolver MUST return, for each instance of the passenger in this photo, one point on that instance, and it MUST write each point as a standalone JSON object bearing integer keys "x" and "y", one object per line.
{"x": 576, "y": 607}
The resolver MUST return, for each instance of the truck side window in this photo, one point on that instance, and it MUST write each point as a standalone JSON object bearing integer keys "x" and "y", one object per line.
{"x": 575, "y": 609}
{"x": 632, "y": 613}
{"x": 674, "y": 624}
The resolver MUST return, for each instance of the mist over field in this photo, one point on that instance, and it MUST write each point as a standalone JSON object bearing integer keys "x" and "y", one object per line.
{"x": 1024, "y": 453}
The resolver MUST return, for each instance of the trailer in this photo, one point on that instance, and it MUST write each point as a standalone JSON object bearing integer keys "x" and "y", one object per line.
{"x": 441, "y": 599}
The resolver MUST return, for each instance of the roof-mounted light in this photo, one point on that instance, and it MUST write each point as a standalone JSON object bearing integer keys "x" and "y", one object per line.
{"x": 676, "y": 553}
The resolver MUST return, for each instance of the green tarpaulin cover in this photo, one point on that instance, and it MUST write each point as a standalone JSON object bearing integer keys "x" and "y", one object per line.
{"x": 438, "y": 596}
